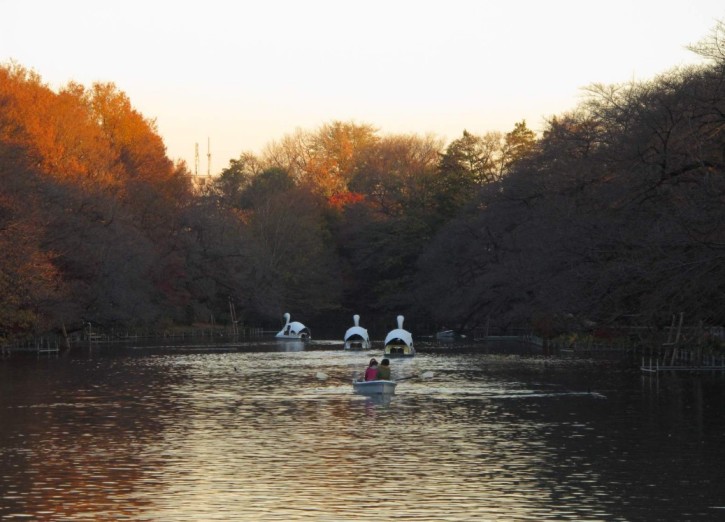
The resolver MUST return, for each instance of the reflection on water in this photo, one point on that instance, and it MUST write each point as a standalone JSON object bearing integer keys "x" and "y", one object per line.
{"x": 258, "y": 434}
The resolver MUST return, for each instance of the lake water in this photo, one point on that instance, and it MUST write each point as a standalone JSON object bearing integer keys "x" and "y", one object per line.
{"x": 273, "y": 431}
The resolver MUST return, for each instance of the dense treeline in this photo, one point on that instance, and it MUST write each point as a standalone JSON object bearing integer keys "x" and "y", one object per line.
{"x": 613, "y": 216}
{"x": 616, "y": 218}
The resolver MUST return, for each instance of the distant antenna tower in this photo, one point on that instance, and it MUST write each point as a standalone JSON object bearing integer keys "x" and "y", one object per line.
{"x": 208, "y": 157}
{"x": 196, "y": 159}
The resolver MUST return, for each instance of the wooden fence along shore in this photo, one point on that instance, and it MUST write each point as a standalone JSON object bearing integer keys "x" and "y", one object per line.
{"x": 674, "y": 354}
{"x": 685, "y": 361}
{"x": 53, "y": 344}
{"x": 39, "y": 345}
{"x": 516, "y": 335}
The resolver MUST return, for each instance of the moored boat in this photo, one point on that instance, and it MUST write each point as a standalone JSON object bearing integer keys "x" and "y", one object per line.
{"x": 449, "y": 335}
{"x": 399, "y": 342}
{"x": 377, "y": 387}
{"x": 356, "y": 337}
{"x": 293, "y": 330}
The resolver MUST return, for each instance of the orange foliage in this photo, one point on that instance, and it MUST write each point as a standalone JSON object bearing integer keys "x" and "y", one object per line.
{"x": 87, "y": 137}
{"x": 343, "y": 199}
{"x": 324, "y": 175}
{"x": 325, "y": 159}
{"x": 24, "y": 101}
{"x": 140, "y": 148}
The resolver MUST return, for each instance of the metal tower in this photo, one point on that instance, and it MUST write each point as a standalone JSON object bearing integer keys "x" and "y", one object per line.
{"x": 208, "y": 157}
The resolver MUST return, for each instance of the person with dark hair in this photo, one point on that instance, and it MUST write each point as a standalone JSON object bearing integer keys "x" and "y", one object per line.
{"x": 371, "y": 372}
{"x": 384, "y": 370}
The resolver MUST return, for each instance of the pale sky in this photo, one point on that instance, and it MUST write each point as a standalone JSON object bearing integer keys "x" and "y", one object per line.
{"x": 242, "y": 74}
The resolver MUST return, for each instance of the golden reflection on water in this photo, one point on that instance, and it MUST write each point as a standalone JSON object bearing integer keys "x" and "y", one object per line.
{"x": 257, "y": 436}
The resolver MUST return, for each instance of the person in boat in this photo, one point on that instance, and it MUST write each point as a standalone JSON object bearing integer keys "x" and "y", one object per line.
{"x": 384, "y": 370}
{"x": 371, "y": 372}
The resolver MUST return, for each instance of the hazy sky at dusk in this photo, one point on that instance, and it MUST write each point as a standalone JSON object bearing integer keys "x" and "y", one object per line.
{"x": 246, "y": 73}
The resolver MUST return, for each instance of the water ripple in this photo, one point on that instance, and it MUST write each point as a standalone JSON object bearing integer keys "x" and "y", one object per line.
{"x": 252, "y": 436}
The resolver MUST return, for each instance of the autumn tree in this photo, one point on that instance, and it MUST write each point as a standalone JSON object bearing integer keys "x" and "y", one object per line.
{"x": 30, "y": 285}
{"x": 381, "y": 236}
{"x": 109, "y": 209}
{"x": 323, "y": 159}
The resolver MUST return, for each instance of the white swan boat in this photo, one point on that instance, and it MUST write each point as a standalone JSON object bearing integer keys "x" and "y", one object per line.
{"x": 356, "y": 337}
{"x": 399, "y": 342}
{"x": 293, "y": 330}
{"x": 377, "y": 387}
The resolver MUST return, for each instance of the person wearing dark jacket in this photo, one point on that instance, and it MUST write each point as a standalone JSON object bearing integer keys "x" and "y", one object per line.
{"x": 384, "y": 370}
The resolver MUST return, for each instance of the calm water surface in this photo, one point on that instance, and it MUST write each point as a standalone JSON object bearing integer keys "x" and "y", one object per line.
{"x": 274, "y": 432}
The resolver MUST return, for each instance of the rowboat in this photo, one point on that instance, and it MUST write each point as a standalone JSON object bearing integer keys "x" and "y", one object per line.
{"x": 399, "y": 342}
{"x": 374, "y": 387}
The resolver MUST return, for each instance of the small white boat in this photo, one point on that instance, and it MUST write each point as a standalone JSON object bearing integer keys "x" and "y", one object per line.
{"x": 356, "y": 337}
{"x": 399, "y": 342}
{"x": 445, "y": 335}
{"x": 449, "y": 335}
{"x": 293, "y": 330}
{"x": 374, "y": 387}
